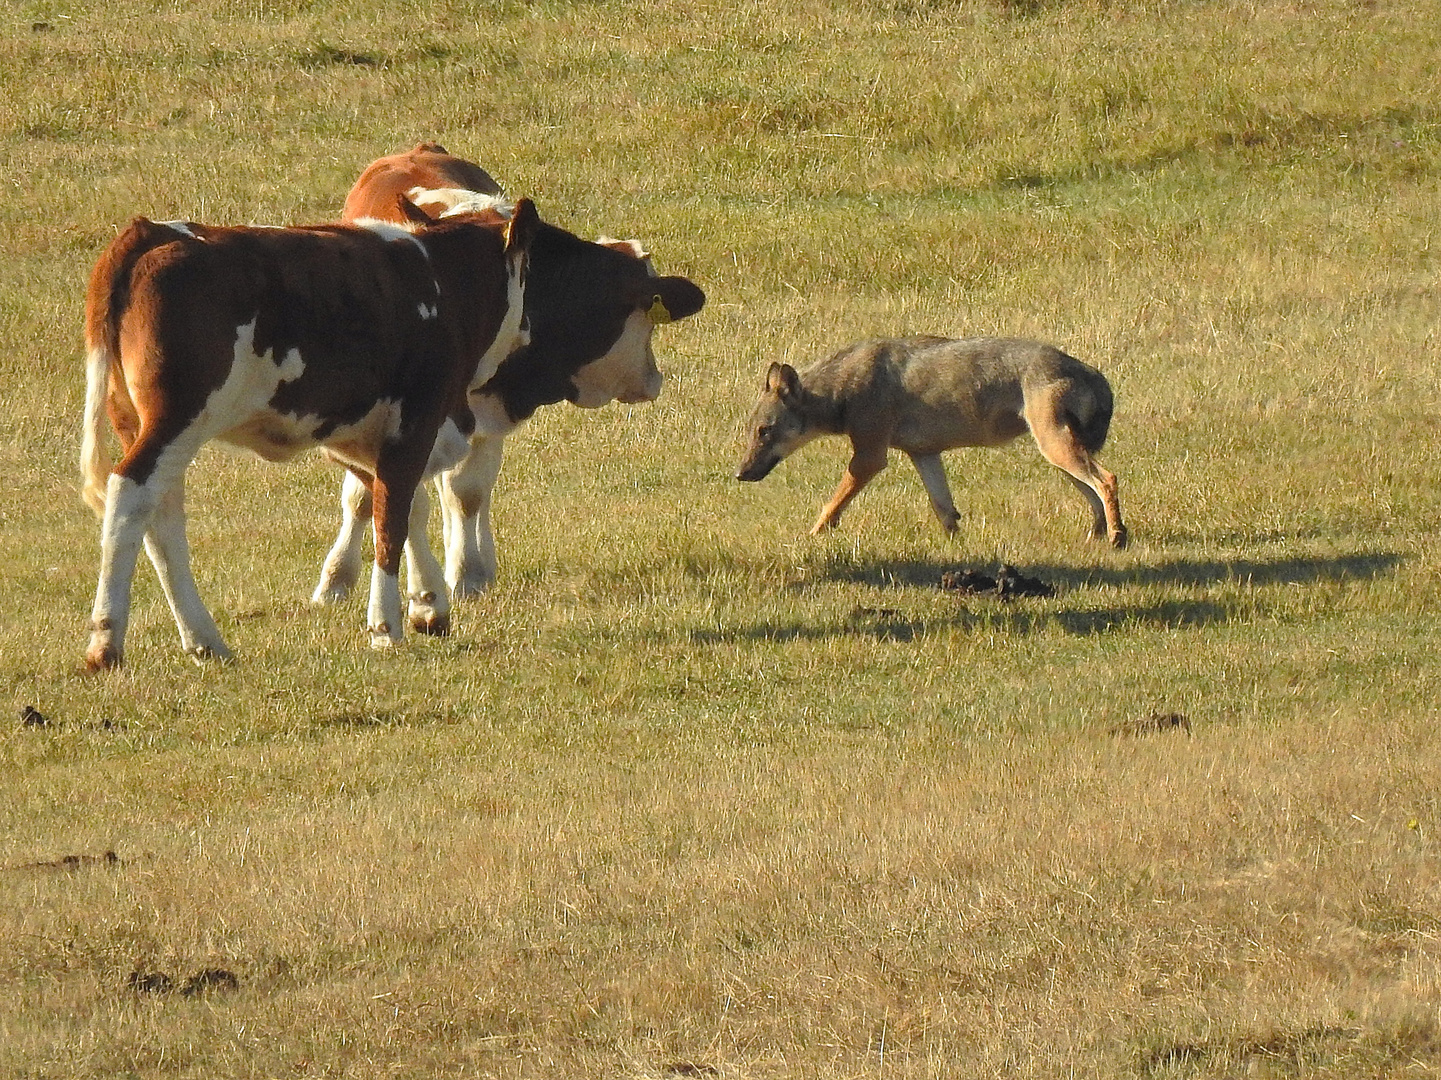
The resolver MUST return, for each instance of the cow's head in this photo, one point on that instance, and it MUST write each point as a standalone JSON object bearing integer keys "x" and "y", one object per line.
{"x": 627, "y": 370}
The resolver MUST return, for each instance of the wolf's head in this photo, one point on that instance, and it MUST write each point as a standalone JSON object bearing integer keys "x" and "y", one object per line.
{"x": 779, "y": 424}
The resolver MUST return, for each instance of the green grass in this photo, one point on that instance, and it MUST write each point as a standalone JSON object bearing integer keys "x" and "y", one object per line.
{"x": 690, "y": 793}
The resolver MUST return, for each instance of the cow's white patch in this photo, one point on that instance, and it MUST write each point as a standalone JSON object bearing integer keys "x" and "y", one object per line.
{"x": 461, "y": 201}
{"x": 429, "y": 311}
{"x": 342, "y": 565}
{"x": 128, "y": 507}
{"x": 389, "y": 230}
{"x": 359, "y": 443}
{"x": 631, "y": 247}
{"x": 450, "y": 447}
{"x": 490, "y": 416}
{"x": 384, "y": 610}
{"x": 626, "y": 372}
{"x": 238, "y": 413}
{"x": 514, "y": 330}
{"x": 182, "y": 227}
{"x": 291, "y": 368}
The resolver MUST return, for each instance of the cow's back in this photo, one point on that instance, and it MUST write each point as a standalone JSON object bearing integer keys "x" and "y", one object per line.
{"x": 427, "y": 166}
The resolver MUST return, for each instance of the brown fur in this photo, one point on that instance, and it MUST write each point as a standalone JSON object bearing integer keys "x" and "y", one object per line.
{"x": 427, "y": 165}
{"x": 924, "y": 395}
{"x": 364, "y": 318}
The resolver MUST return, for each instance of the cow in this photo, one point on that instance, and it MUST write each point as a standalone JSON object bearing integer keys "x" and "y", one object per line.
{"x": 362, "y": 338}
{"x": 426, "y": 175}
{"x": 591, "y": 309}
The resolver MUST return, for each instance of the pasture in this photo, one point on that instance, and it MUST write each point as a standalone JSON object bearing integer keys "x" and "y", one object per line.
{"x": 690, "y": 793}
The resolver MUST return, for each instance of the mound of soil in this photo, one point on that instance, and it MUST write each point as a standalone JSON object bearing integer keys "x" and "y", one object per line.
{"x": 1008, "y": 583}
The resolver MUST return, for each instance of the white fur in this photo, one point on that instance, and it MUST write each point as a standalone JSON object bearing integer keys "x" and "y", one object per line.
{"x": 391, "y": 231}
{"x": 626, "y": 372}
{"x": 514, "y": 331}
{"x": 383, "y": 613}
{"x": 94, "y": 460}
{"x": 461, "y": 201}
{"x": 341, "y": 569}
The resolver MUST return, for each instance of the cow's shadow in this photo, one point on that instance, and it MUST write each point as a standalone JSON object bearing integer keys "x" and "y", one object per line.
{"x": 1073, "y": 616}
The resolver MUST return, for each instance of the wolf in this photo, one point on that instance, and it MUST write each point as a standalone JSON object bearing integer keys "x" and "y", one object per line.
{"x": 924, "y": 395}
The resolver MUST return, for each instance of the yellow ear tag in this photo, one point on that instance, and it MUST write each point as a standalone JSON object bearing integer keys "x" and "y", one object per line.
{"x": 658, "y": 313}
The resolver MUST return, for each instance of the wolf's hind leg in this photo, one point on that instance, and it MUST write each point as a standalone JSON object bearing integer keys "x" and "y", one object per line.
{"x": 1098, "y": 507}
{"x": 933, "y": 475}
{"x": 1059, "y": 446}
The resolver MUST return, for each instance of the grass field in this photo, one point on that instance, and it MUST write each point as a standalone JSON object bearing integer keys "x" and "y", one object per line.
{"x": 690, "y": 793}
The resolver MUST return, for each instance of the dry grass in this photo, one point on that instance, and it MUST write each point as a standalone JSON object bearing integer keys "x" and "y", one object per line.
{"x": 690, "y": 794}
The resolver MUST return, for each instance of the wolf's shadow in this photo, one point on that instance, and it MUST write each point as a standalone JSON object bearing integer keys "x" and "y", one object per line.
{"x": 1294, "y": 571}
{"x": 1025, "y": 617}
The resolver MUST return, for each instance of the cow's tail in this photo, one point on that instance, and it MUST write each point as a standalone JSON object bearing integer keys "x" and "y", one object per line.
{"x": 94, "y": 456}
{"x": 105, "y": 299}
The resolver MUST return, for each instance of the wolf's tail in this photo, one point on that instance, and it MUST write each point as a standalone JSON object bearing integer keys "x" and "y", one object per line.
{"x": 1089, "y": 404}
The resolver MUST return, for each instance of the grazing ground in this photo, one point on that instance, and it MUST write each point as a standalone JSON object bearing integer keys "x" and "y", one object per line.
{"x": 690, "y": 793}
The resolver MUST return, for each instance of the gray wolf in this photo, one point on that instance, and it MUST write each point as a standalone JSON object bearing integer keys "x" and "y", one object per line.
{"x": 925, "y": 395}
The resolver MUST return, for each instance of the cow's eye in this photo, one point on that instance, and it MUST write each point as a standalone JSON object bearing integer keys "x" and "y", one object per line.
{"x": 765, "y": 431}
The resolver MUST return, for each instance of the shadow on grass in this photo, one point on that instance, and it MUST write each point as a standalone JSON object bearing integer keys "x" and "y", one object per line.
{"x": 1297, "y": 1049}
{"x": 1026, "y": 617}
{"x": 374, "y": 720}
{"x": 998, "y": 616}
{"x": 1184, "y": 572}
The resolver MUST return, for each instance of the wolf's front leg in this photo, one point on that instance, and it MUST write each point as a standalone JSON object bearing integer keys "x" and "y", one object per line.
{"x": 863, "y": 468}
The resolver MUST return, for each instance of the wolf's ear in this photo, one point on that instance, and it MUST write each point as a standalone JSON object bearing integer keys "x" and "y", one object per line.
{"x": 782, "y": 381}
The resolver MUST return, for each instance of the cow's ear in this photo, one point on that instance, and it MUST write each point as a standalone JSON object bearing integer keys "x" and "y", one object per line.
{"x": 410, "y": 212}
{"x": 783, "y": 381}
{"x": 671, "y": 298}
{"x": 522, "y": 227}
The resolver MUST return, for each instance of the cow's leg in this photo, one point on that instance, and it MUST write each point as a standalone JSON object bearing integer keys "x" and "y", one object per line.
{"x": 429, "y": 598}
{"x": 152, "y": 469}
{"x": 169, "y": 551}
{"x": 1060, "y": 446}
{"x": 341, "y": 569}
{"x": 868, "y": 460}
{"x": 397, "y": 475}
{"x": 933, "y": 475}
{"x": 465, "y": 491}
{"x": 128, "y": 508}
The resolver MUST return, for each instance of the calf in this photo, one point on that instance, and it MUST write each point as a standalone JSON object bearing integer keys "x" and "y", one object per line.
{"x": 361, "y": 339}
{"x": 591, "y": 309}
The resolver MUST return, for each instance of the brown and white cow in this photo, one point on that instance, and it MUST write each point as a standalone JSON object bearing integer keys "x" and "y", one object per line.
{"x": 591, "y": 308}
{"x": 364, "y": 339}
{"x": 425, "y": 175}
